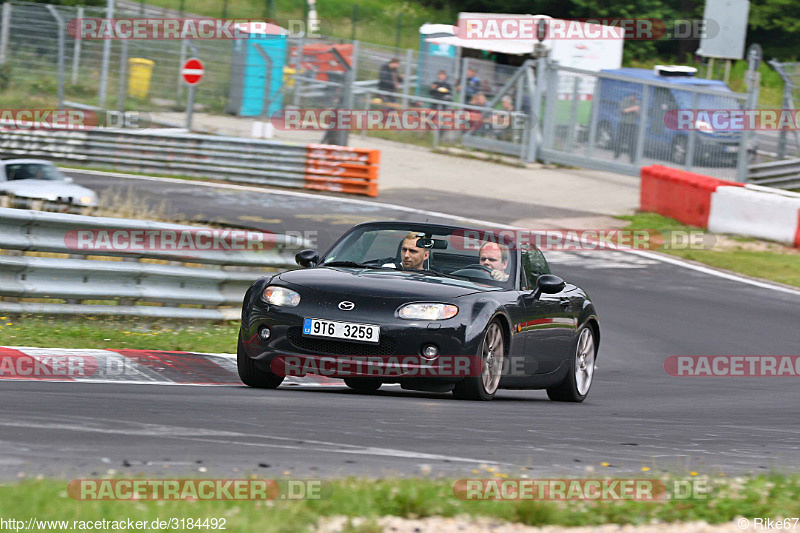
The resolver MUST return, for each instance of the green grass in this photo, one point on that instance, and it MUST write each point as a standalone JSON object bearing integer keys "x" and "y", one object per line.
{"x": 776, "y": 263}
{"x": 772, "y": 495}
{"x": 118, "y": 333}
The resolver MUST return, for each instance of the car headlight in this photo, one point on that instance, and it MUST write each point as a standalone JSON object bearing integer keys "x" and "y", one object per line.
{"x": 86, "y": 200}
{"x": 427, "y": 311}
{"x": 281, "y": 296}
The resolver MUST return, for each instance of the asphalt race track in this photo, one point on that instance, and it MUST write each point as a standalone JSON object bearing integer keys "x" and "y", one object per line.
{"x": 636, "y": 414}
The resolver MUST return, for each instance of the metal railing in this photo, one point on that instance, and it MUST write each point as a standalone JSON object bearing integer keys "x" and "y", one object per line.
{"x": 323, "y": 167}
{"x": 783, "y": 174}
{"x": 164, "y": 283}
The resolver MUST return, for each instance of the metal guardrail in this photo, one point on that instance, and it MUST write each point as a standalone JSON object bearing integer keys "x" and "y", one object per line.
{"x": 312, "y": 166}
{"x": 783, "y": 174}
{"x": 216, "y": 280}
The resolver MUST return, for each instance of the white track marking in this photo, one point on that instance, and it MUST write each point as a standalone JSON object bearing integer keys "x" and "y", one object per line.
{"x": 266, "y": 190}
{"x": 248, "y": 439}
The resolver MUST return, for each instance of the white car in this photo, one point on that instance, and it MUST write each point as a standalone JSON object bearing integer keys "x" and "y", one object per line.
{"x": 40, "y": 179}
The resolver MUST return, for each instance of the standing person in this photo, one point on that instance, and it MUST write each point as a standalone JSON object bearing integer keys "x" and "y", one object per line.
{"x": 389, "y": 78}
{"x": 628, "y": 124}
{"x": 473, "y": 84}
{"x": 441, "y": 90}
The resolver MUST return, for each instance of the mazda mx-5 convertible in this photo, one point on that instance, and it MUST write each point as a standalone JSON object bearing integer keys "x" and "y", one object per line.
{"x": 431, "y": 307}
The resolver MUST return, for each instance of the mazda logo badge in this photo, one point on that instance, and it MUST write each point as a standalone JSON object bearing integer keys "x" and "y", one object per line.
{"x": 346, "y": 306}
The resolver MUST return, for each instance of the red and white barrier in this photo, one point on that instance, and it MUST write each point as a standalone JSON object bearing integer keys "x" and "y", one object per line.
{"x": 721, "y": 206}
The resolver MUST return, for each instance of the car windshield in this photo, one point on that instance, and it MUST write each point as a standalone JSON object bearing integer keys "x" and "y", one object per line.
{"x": 707, "y": 101}
{"x": 32, "y": 171}
{"x": 455, "y": 255}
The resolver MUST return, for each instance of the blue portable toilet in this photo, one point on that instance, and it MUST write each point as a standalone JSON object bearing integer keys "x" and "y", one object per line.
{"x": 259, "y": 58}
{"x": 435, "y": 57}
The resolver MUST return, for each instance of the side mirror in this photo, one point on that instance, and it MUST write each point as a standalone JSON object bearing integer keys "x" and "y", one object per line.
{"x": 548, "y": 284}
{"x": 307, "y": 258}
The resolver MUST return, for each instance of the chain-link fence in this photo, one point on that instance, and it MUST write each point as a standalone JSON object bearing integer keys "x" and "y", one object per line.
{"x": 617, "y": 121}
{"x": 630, "y": 118}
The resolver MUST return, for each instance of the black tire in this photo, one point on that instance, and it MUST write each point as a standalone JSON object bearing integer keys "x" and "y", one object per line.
{"x": 363, "y": 384}
{"x": 570, "y": 390}
{"x": 250, "y": 374}
{"x": 475, "y": 387}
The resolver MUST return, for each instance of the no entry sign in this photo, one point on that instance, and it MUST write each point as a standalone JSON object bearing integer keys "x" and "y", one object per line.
{"x": 192, "y": 71}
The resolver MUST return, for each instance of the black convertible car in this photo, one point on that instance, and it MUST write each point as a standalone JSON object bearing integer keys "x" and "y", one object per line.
{"x": 431, "y": 307}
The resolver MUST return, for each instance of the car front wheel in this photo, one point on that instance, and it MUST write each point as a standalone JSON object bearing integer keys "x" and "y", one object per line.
{"x": 250, "y": 374}
{"x": 575, "y": 386}
{"x": 492, "y": 353}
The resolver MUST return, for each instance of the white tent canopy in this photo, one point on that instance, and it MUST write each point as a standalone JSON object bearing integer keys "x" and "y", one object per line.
{"x": 588, "y": 53}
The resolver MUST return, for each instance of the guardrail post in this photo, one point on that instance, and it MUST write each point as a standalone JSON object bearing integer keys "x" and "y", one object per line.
{"x": 298, "y": 75}
{"x": 692, "y": 145}
{"x": 76, "y": 50}
{"x": 753, "y": 79}
{"x": 407, "y": 78}
{"x": 183, "y": 58}
{"x": 593, "y": 118}
{"x": 4, "y": 26}
{"x": 639, "y": 148}
{"x": 61, "y": 28}
{"x": 551, "y": 103}
{"x": 122, "y": 90}
{"x": 536, "y": 88}
{"x": 573, "y": 113}
{"x": 463, "y": 96}
{"x": 267, "y": 80}
{"x": 101, "y": 97}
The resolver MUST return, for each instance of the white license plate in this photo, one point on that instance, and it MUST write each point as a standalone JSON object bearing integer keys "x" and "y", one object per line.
{"x": 314, "y": 327}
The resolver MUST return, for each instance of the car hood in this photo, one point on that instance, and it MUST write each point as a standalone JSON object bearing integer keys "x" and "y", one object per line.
{"x": 45, "y": 189}
{"x": 382, "y": 283}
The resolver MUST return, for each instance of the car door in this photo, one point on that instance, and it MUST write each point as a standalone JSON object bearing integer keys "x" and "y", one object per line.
{"x": 547, "y": 328}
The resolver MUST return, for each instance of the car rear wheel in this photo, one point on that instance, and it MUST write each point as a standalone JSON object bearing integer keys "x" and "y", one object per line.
{"x": 250, "y": 374}
{"x": 575, "y": 386}
{"x": 363, "y": 384}
{"x": 492, "y": 353}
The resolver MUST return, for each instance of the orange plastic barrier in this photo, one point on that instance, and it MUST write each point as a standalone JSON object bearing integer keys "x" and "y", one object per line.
{"x": 342, "y": 169}
{"x": 684, "y": 196}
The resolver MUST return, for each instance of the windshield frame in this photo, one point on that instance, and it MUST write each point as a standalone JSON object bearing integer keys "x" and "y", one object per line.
{"x": 356, "y": 232}
{"x": 47, "y": 172}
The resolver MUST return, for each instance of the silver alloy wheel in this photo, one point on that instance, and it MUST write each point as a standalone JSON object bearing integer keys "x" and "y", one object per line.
{"x": 584, "y": 361}
{"x": 492, "y": 356}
